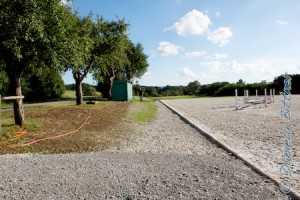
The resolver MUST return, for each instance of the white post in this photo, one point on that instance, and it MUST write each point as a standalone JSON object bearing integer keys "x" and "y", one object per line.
{"x": 273, "y": 95}
{"x": 236, "y": 103}
{"x": 256, "y": 93}
{"x": 265, "y": 97}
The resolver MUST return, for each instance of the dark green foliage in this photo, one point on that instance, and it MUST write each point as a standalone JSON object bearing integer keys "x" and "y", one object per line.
{"x": 138, "y": 64}
{"x": 193, "y": 88}
{"x": 70, "y": 87}
{"x": 46, "y": 85}
{"x": 211, "y": 89}
{"x": 278, "y": 83}
{"x": 4, "y": 82}
{"x": 103, "y": 87}
{"x": 151, "y": 91}
{"x": 88, "y": 90}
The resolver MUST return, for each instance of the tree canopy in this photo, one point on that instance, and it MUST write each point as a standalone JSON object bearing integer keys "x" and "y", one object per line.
{"x": 32, "y": 36}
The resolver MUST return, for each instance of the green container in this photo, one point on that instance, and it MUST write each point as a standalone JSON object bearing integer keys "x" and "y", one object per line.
{"x": 121, "y": 91}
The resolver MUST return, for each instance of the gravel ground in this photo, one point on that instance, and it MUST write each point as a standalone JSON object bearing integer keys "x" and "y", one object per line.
{"x": 165, "y": 159}
{"x": 254, "y": 133}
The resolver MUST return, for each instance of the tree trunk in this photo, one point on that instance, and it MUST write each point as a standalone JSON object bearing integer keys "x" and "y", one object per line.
{"x": 111, "y": 80}
{"x": 79, "y": 94}
{"x": 18, "y": 103}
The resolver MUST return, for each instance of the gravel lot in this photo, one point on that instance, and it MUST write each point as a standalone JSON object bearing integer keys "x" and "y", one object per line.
{"x": 165, "y": 159}
{"x": 254, "y": 133}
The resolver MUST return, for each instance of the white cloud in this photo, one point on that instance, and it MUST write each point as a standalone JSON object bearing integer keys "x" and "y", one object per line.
{"x": 221, "y": 36}
{"x": 193, "y": 23}
{"x": 281, "y": 22}
{"x": 212, "y": 65}
{"x": 237, "y": 67}
{"x": 194, "y": 54}
{"x": 205, "y": 78}
{"x": 168, "y": 49}
{"x": 217, "y": 56}
{"x": 187, "y": 72}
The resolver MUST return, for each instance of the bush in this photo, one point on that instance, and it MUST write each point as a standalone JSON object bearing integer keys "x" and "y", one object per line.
{"x": 88, "y": 90}
{"x": 47, "y": 84}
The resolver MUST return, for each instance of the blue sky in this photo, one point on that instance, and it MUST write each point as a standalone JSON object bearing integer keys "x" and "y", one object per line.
{"x": 208, "y": 40}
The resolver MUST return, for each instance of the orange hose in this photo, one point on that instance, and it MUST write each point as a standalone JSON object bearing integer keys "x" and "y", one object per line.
{"x": 21, "y": 132}
{"x": 52, "y": 137}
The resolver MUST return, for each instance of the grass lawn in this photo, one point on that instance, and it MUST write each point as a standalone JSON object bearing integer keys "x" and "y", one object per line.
{"x": 69, "y": 94}
{"x": 172, "y": 97}
{"x": 146, "y": 99}
{"x": 85, "y": 128}
{"x": 143, "y": 111}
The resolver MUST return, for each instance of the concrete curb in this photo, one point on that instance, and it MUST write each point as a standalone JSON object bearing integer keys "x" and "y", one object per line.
{"x": 254, "y": 167}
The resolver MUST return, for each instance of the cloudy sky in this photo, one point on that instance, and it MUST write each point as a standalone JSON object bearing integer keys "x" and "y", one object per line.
{"x": 208, "y": 40}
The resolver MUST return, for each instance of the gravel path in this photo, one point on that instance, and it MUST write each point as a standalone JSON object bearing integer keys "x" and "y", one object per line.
{"x": 165, "y": 159}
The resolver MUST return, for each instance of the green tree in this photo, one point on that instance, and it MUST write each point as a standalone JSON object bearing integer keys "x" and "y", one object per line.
{"x": 138, "y": 63}
{"x": 32, "y": 35}
{"x": 45, "y": 85}
{"x": 4, "y": 81}
{"x": 193, "y": 88}
{"x": 278, "y": 83}
{"x": 93, "y": 44}
{"x": 88, "y": 90}
{"x": 113, "y": 63}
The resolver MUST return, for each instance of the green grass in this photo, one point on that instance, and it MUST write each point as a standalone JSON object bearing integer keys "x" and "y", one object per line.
{"x": 166, "y": 97}
{"x": 143, "y": 111}
{"x": 69, "y": 94}
{"x": 6, "y": 103}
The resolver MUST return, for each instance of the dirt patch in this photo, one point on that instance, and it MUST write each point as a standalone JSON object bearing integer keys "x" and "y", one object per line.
{"x": 103, "y": 129}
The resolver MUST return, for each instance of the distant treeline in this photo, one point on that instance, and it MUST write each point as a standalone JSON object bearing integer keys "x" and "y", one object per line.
{"x": 220, "y": 88}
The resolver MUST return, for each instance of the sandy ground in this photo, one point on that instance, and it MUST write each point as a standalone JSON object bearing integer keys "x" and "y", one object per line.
{"x": 254, "y": 133}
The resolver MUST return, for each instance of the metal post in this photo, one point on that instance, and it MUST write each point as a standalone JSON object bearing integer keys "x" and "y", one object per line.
{"x": 265, "y": 97}
{"x": 271, "y": 95}
{"x": 236, "y": 94}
